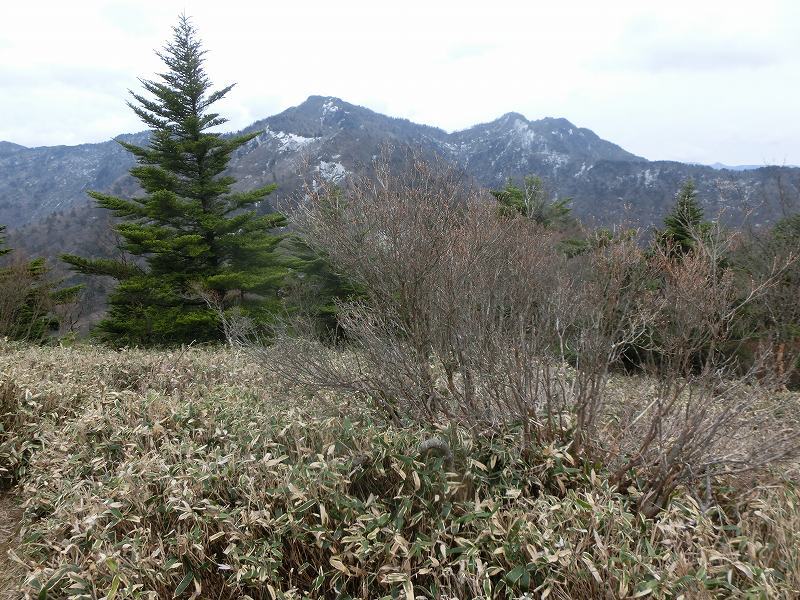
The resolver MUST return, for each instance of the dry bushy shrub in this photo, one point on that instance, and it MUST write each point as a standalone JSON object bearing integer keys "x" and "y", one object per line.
{"x": 23, "y": 301}
{"x": 454, "y": 297}
{"x": 477, "y": 319}
{"x": 776, "y": 315}
{"x": 706, "y": 414}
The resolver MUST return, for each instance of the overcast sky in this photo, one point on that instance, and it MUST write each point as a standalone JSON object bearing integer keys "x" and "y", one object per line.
{"x": 700, "y": 81}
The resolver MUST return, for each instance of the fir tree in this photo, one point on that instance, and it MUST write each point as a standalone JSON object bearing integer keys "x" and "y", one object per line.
{"x": 189, "y": 228}
{"x": 685, "y": 224}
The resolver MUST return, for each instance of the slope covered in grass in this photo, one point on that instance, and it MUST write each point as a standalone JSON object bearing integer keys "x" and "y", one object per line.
{"x": 199, "y": 474}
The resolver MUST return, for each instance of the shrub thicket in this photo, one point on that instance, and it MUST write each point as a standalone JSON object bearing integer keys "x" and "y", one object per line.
{"x": 477, "y": 319}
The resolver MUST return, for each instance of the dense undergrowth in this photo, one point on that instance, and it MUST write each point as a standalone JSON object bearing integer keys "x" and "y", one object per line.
{"x": 195, "y": 474}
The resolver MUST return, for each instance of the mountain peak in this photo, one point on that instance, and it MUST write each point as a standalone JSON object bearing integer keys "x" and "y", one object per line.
{"x": 316, "y": 98}
{"x": 513, "y": 116}
{"x": 520, "y": 123}
{"x": 557, "y": 123}
{"x": 323, "y": 103}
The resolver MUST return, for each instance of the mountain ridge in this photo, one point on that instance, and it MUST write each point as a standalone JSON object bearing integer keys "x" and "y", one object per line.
{"x": 330, "y": 137}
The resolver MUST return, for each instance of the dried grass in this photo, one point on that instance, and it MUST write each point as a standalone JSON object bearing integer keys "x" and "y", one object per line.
{"x": 194, "y": 474}
{"x": 10, "y": 572}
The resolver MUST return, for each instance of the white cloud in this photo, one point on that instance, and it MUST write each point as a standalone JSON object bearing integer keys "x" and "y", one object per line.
{"x": 698, "y": 81}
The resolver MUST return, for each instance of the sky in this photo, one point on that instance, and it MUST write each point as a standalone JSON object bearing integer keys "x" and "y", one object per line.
{"x": 697, "y": 81}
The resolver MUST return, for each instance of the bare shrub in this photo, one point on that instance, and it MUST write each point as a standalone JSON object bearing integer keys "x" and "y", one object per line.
{"x": 470, "y": 316}
{"x": 237, "y": 328}
{"x": 776, "y": 315}
{"x": 475, "y": 319}
{"x": 706, "y": 416}
{"x": 31, "y": 308}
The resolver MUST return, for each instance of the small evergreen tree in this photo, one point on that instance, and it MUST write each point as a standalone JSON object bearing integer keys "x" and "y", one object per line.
{"x": 30, "y": 298}
{"x": 189, "y": 229}
{"x": 317, "y": 288}
{"x": 602, "y": 237}
{"x": 531, "y": 201}
{"x": 3, "y": 248}
{"x": 685, "y": 224}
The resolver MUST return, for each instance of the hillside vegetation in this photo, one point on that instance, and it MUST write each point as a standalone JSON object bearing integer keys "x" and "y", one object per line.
{"x": 405, "y": 387}
{"x": 195, "y": 473}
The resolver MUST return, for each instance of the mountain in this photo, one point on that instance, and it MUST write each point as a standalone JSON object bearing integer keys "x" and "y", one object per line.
{"x": 43, "y": 190}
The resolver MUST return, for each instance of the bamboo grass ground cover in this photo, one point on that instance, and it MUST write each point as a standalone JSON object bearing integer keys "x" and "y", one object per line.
{"x": 196, "y": 474}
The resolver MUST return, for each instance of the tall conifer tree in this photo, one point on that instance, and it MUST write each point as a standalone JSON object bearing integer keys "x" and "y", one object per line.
{"x": 189, "y": 228}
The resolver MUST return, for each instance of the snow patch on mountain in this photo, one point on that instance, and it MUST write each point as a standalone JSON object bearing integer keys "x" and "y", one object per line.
{"x": 553, "y": 158}
{"x": 583, "y": 170}
{"x": 328, "y": 107}
{"x": 650, "y": 177}
{"x": 284, "y": 141}
{"x": 290, "y": 142}
{"x": 331, "y": 171}
{"x": 524, "y": 133}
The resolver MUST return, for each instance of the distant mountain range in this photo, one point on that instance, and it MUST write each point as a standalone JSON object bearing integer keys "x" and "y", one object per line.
{"x": 720, "y": 166}
{"x": 43, "y": 190}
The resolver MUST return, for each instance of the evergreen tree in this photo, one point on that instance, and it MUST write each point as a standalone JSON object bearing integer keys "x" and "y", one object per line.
{"x": 3, "y": 248}
{"x": 317, "y": 288}
{"x": 29, "y": 297}
{"x": 685, "y": 224}
{"x": 531, "y": 201}
{"x": 602, "y": 237}
{"x": 189, "y": 228}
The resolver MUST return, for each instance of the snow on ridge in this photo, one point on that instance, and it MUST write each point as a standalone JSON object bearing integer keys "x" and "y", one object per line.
{"x": 524, "y": 133}
{"x": 290, "y": 141}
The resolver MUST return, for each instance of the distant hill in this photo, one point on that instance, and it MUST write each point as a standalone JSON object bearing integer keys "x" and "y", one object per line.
{"x": 43, "y": 190}
{"x": 720, "y": 166}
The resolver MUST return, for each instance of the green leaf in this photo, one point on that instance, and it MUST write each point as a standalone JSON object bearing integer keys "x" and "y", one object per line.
{"x": 184, "y": 583}
{"x": 112, "y": 592}
{"x": 515, "y": 574}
